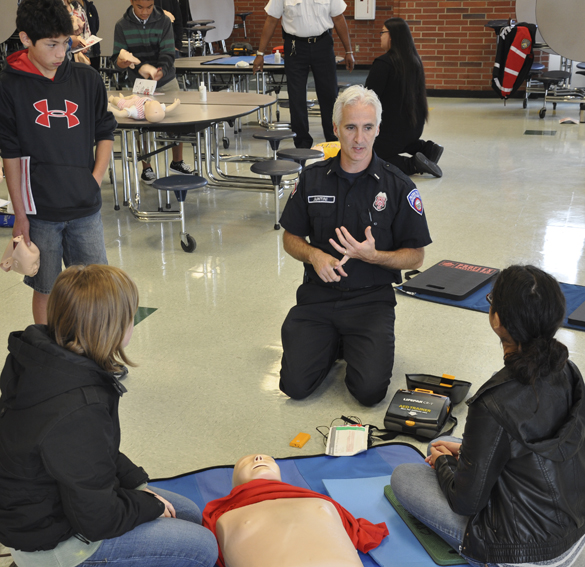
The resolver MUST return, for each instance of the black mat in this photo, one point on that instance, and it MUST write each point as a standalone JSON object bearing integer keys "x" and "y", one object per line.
{"x": 451, "y": 280}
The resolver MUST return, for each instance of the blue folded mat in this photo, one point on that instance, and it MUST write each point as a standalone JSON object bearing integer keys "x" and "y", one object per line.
{"x": 268, "y": 59}
{"x": 313, "y": 472}
{"x": 574, "y": 296}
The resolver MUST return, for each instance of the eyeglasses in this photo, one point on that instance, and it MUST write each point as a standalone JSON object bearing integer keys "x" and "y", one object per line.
{"x": 489, "y": 297}
{"x": 383, "y": 32}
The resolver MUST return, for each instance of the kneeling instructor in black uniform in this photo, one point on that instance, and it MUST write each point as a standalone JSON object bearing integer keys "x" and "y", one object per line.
{"x": 365, "y": 222}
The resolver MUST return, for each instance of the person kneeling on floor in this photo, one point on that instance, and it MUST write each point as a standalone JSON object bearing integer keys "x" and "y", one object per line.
{"x": 365, "y": 222}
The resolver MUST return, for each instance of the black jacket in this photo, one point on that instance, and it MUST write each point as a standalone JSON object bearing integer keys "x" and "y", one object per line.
{"x": 396, "y": 130}
{"x": 61, "y": 471}
{"x": 520, "y": 475}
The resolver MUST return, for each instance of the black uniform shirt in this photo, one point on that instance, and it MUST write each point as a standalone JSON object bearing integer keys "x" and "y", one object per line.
{"x": 382, "y": 197}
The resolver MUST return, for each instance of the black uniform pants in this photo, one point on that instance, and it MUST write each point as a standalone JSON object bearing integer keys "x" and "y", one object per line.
{"x": 299, "y": 58}
{"x": 363, "y": 320}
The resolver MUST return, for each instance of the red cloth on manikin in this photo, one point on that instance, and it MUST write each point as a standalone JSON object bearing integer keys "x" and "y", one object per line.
{"x": 363, "y": 534}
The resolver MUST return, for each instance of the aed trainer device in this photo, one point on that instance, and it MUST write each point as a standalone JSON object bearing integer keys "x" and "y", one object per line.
{"x": 300, "y": 440}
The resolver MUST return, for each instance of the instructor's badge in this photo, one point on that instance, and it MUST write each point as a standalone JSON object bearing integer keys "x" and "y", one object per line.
{"x": 415, "y": 201}
{"x": 380, "y": 201}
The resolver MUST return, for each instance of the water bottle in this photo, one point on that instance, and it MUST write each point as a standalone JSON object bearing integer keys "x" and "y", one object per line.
{"x": 202, "y": 92}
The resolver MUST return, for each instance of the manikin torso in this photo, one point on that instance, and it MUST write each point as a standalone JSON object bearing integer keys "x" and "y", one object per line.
{"x": 288, "y": 532}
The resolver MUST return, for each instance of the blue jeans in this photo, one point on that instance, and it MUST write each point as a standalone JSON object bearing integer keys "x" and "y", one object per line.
{"x": 164, "y": 542}
{"x": 78, "y": 241}
{"x": 416, "y": 487}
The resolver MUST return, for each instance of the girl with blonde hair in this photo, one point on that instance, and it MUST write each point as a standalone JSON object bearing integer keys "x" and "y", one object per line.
{"x": 68, "y": 496}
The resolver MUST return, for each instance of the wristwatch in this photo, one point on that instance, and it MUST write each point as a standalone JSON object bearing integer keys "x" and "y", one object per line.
{"x": 259, "y": 53}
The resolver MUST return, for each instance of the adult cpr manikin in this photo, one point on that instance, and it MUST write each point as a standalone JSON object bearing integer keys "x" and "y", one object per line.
{"x": 284, "y": 525}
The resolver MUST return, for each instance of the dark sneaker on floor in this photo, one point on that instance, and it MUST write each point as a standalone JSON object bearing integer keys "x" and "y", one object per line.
{"x": 435, "y": 153}
{"x": 425, "y": 165}
{"x": 181, "y": 167}
{"x": 148, "y": 176}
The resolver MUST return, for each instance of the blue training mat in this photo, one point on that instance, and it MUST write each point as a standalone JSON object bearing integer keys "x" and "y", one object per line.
{"x": 373, "y": 467}
{"x": 268, "y": 60}
{"x": 574, "y": 296}
{"x": 364, "y": 498}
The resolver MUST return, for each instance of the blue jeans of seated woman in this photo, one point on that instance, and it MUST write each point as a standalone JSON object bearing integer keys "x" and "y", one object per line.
{"x": 416, "y": 487}
{"x": 164, "y": 542}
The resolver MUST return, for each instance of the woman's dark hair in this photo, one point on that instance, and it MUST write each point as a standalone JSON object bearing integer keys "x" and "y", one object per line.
{"x": 409, "y": 67}
{"x": 41, "y": 19}
{"x": 531, "y": 307}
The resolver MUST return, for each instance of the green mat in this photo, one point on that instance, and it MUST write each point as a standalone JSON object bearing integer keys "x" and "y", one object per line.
{"x": 439, "y": 550}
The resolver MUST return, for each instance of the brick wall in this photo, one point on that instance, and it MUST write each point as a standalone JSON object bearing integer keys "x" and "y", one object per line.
{"x": 456, "y": 48}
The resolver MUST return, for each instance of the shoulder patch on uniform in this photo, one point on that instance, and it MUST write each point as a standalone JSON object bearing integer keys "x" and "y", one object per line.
{"x": 415, "y": 201}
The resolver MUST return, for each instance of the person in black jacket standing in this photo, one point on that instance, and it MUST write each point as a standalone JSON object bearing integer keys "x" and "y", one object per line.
{"x": 398, "y": 78}
{"x": 68, "y": 496}
{"x": 513, "y": 492}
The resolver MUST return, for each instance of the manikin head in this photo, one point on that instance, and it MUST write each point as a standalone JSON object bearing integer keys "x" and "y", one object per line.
{"x": 153, "y": 111}
{"x": 254, "y": 467}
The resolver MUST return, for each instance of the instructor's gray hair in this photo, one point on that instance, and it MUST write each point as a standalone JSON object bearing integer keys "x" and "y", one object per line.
{"x": 357, "y": 94}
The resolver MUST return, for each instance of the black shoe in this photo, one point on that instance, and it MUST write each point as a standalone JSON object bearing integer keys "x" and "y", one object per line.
{"x": 425, "y": 165}
{"x": 180, "y": 167}
{"x": 435, "y": 153}
{"x": 148, "y": 175}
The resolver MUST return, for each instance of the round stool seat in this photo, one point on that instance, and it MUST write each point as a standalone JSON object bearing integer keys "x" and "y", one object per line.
{"x": 300, "y": 155}
{"x": 200, "y": 22}
{"x": 285, "y": 103}
{"x": 201, "y": 29}
{"x": 551, "y": 77}
{"x": 275, "y": 168}
{"x": 243, "y": 15}
{"x": 180, "y": 184}
{"x": 275, "y": 135}
{"x": 580, "y": 65}
{"x": 536, "y": 67}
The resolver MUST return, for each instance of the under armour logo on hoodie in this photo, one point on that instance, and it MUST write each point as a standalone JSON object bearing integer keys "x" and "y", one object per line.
{"x": 45, "y": 114}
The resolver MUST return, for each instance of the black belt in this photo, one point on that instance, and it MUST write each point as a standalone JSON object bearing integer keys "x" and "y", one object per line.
{"x": 313, "y": 39}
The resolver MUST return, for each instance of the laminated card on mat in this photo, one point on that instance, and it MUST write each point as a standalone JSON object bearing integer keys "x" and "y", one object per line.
{"x": 450, "y": 279}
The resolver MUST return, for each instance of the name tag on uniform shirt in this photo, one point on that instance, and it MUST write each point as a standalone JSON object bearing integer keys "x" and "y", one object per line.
{"x": 321, "y": 199}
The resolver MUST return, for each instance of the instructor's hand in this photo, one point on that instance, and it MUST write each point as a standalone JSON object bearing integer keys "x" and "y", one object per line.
{"x": 349, "y": 62}
{"x": 258, "y": 65}
{"x": 350, "y": 247}
{"x": 328, "y": 268}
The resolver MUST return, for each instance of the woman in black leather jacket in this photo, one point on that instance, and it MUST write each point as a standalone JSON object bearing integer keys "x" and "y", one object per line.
{"x": 513, "y": 492}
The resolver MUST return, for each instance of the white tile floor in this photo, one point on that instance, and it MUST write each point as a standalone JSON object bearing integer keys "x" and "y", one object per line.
{"x": 206, "y": 388}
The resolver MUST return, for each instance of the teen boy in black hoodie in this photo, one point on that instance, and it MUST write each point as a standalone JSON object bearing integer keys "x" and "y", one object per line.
{"x": 53, "y": 111}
